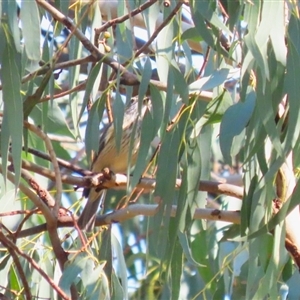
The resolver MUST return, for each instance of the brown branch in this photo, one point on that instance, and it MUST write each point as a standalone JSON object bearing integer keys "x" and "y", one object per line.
{"x": 149, "y": 210}
{"x": 51, "y": 220}
{"x": 119, "y": 182}
{"x": 51, "y": 216}
{"x": 77, "y": 88}
{"x": 135, "y": 210}
{"x": 17, "y": 212}
{"x": 41, "y": 192}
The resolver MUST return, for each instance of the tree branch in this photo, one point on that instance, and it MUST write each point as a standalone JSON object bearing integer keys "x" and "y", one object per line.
{"x": 134, "y": 210}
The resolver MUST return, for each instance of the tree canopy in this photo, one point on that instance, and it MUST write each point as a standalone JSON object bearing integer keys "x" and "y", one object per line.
{"x": 210, "y": 209}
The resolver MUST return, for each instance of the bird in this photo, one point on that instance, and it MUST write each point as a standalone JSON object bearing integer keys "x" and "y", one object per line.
{"x": 109, "y": 157}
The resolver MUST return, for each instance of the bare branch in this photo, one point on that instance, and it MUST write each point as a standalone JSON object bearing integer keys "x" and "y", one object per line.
{"x": 135, "y": 210}
{"x": 148, "y": 210}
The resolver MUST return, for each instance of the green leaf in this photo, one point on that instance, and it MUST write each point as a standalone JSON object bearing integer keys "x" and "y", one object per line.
{"x": 124, "y": 41}
{"x": 277, "y": 34}
{"x": 235, "y": 8}
{"x": 147, "y": 135}
{"x": 234, "y": 122}
{"x": 122, "y": 273}
{"x": 94, "y": 280}
{"x": 14, "y": 281}
{"x": 118, "y": 113}
{"x": 5, "y": 140}
{"x": 293, "y": 89}
{"x": 191, "y": 34}
{"x": 252, "y": 14}
{"x": 3, "y": 39}
{"x": 71, "y": 271}
{"x": 11, "y": 83}
{"x": 146, "y": 76}
{"x": 118, "y": 291}
{"x": 75, "y": 52}
{"x": 31, "y": 29}
{"x": 55, "y": 119}
{"x": 205, "y": 33}
{"x": 176, "y": 270}
{"x": 92, "y": 79}
{"x": 105, "y": 253}
{"x": 180, "y": 84}
{"x": 167, "y": 164}
{"x": 207, "y": 83}
{"x": 9, "y": 9}
{"x": 208, "y": 10}
{"x": 92, "y": 127}
{"x": 265, "y": 103}
{"x": 259, "y": 54}
{"x": 217, "y": 107}
{"x": 164, "y": 57}
{"x": 187, "y": 249}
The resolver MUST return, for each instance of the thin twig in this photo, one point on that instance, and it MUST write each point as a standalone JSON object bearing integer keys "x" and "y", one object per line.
{"x": 80, "y": 87}
{"x": 43, "y": 194}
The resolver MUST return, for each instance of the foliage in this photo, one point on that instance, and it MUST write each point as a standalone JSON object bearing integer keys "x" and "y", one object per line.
{"x": 224, "y": 91}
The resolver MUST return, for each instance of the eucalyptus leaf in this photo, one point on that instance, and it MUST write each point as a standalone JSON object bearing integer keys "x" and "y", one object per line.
{"x": 206, "y": 83}
{"x": 234, "y": 121}
{"x": 11, "y": 82}
{"x": 31, "y": 29}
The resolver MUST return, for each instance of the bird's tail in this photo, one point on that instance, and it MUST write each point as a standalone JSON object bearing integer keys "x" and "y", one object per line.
{"x": 87, "y": 218}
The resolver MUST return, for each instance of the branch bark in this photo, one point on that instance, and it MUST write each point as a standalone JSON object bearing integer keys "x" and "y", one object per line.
{"x": 135, "y": 210}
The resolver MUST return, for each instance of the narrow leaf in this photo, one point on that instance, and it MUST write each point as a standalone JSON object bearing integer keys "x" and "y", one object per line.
{"x": 31, "y": 29}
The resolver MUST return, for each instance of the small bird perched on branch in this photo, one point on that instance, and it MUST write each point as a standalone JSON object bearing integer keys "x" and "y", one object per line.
{"x": 109, "y": 157}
